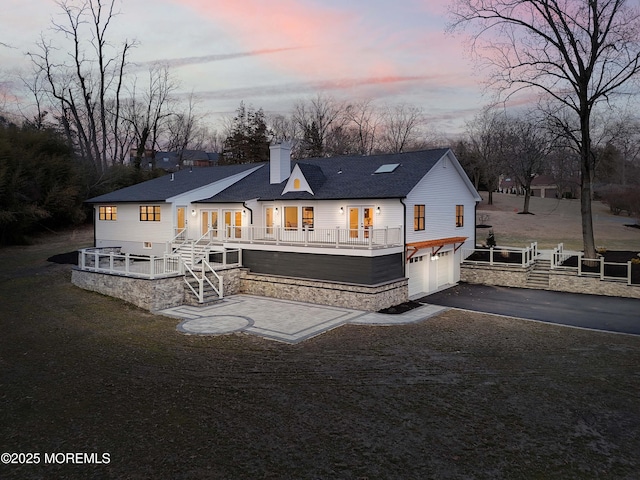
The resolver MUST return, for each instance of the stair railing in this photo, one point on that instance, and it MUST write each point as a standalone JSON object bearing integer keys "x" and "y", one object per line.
{"x": 220, "y": 289}
{"x": 180, "y": 235}
{"x": 201, "y": 279}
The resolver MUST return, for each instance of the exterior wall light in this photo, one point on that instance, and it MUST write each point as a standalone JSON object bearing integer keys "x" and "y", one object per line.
{"x": 377, "y": 210}
{"x": 193, "y": 212}
{"x": 341, "y": 210}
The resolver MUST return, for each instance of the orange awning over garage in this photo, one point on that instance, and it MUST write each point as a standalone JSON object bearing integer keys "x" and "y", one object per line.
{"x": 435, "y": 245}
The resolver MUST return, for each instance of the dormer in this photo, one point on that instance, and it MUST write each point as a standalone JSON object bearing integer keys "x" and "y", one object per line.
{"x": 297, "y": 182}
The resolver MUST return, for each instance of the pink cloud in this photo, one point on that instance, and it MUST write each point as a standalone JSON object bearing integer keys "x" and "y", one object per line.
{"x": 329, "y": 40}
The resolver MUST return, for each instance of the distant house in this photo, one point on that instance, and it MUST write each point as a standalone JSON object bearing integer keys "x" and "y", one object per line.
{"x": 374, "y": 223}
{"x": 543, "y": 186}
{"x": 174, "y": 161}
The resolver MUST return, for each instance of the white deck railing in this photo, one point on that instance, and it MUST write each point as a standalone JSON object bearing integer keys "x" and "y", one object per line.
{"x": 110, "y": 260}
{"x": 502, "y": 255}
{"x": 318, "y": 237}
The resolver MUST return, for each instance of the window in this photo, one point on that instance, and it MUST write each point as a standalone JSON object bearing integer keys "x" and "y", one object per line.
{"x": 150, "y": 213}
{"x": 290, "y": 218}
{"x": 459, "y": 215}
{"x": 418, "y": 217}
{"x": 296, "y": 184}
{"x": 307, "y": 218}
{"x": 387, "y": 168}
{"x": 108, "y": 213}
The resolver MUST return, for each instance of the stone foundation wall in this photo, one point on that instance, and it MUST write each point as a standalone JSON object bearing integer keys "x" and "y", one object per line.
{"x": 151, "y": 295}
{"x": 494, "y": 275}
{"x": 567, "y": 281}
{"x": 231, "y": 280}
{"x": 368, "y": 298}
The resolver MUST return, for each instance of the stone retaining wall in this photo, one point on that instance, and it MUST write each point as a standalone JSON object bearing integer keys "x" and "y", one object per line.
{"x": 568, "y": 281}
{"x": 559, "y": 280}
{"x": 164, "y": 293}
{"x": 368, "y": 298}
{"x": 156, "y": 294}
{"x": 494, "y": 275}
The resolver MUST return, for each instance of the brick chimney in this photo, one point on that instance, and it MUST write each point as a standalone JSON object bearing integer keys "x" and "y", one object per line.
{"x": 279, "y": 162}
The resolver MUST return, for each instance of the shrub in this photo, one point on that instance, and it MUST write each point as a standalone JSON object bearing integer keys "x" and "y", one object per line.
{"x": 491, "y": 239}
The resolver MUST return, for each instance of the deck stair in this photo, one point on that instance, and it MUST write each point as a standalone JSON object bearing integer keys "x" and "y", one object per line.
{"x": 209, "y": 295}
{"x": 192, "y": 253}
{"x": 539, "y": 276}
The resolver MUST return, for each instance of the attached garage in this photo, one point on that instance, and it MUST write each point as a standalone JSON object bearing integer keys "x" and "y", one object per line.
{"x": 417, "y": 274}
{"x": 430, "y": 266}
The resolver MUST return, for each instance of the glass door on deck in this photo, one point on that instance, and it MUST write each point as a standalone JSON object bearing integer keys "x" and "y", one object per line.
{"x": 269, "y": 220}
{"x": 209, "y": 222}
{"x": 360, "y": 222}
{"x": 181, "y": 221}
{"x": 233, "y": 223}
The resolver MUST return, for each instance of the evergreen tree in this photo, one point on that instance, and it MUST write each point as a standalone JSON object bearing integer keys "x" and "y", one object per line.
{"x": 248, "y": 141}
{"x": 312, "y": 142}
{"x": 41, "y": 185}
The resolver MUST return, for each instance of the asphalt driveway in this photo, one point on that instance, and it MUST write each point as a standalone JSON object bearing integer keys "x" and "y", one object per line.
{"x": 612, "y": 314}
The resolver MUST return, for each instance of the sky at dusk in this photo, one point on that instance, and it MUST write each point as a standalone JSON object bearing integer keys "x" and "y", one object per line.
{"x": 270, "y": 54}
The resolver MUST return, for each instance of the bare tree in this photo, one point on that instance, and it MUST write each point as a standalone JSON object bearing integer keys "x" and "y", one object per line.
{"x": 622, "y": 134}
{"x": 184, "y": 130}
{"x": 400, "y": 127}
{"x": 526, "y": 148}
{"x": 86, "y": 89}
{"x": 470, "y": 160}
{"x": 364, "y": 120}
{"x": 486, "y": 144}
{"x": 147, "y": 111}
{"x": 285, "y": 128}
{"x": 317, "y": 118}
{"x": 577, "y": 52}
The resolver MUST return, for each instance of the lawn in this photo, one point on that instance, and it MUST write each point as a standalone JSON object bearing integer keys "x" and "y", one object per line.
{"x": 461, "y": 395}
{"x": 553, "y": 221}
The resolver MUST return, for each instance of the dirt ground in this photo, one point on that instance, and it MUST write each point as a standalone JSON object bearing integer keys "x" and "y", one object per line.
{"x": 554, "y": 221}
{"x": 459, "y": 396}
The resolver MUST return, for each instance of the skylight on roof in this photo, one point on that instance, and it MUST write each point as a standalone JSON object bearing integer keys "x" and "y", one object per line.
{"x": 387, "y": 168}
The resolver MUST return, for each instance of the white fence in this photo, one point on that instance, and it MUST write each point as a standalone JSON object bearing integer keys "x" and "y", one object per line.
{"x": 503, "y": 255}
{"x": 591, "y": 267}
{"x": 559, "y": 255}
{"x": 110, "y": 260}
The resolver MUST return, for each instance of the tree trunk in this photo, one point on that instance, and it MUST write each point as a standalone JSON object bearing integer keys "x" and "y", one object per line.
{"x": 586, "y": 188}
{"x": 527, "y": 196}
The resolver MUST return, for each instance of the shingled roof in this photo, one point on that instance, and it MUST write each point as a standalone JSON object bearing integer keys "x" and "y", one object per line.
{"x": 162, "y": 188}
{"x": 347, "y": 177}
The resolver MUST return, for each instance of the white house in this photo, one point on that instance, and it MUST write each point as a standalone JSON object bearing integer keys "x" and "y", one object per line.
{"x": 354, "y": 221}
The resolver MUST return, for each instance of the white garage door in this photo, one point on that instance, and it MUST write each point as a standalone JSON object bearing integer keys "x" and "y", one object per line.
{"x": 416, "y": 269}
{"x": 445, "y": 268}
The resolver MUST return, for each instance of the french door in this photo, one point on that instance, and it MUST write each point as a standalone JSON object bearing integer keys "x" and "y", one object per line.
{"x": 360, "y": 222}
{"x": 233, "y": 223}
{"x": 209, "y": 221}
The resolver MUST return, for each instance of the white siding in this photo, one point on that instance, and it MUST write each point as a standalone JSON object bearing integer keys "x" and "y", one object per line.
{"x": 327, "y": 212}
{"x": 440, "y": 191}
{"x": 130, "y": 233}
